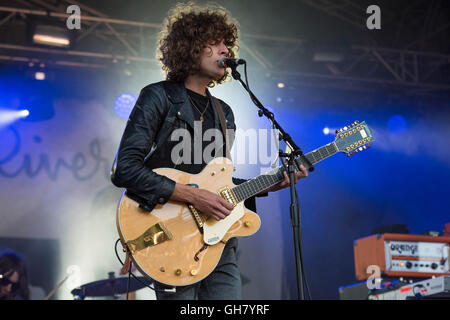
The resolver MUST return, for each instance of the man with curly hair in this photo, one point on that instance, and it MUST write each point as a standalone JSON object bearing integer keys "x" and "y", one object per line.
{"x": 192, "y": 42}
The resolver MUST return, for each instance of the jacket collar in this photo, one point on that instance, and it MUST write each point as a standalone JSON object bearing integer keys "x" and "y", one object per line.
{"x": 177, "y": 94}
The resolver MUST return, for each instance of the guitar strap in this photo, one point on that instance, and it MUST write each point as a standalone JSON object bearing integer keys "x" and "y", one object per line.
{"x": 223, "y": 125}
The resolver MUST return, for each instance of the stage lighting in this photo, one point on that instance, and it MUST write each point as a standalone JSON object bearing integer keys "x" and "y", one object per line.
{"x": 123, "y": 105}
{"x": 326, "y": 131}
{"x": 39, "y": 75}
{"x": 51, "y": 36}
{"x": 9, "y": 116}
{"x": 280, "y": 85}
{"x": 24, "y": 113}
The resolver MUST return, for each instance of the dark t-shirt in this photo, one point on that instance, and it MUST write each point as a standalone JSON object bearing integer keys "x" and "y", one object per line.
{"x": 207, "y": 145}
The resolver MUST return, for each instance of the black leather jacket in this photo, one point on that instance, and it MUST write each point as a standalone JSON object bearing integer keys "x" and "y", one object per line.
{"x": 160, "y": 109}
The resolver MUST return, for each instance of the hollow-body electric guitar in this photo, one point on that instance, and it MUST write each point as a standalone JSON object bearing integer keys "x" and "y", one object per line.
{"x": 176, "y": 245}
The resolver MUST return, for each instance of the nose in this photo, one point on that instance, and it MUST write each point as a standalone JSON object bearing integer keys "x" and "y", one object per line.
{"x": 223, "y": 49}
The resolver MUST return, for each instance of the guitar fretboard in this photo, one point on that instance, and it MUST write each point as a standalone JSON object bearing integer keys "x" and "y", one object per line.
{"x": 256, "y": 185}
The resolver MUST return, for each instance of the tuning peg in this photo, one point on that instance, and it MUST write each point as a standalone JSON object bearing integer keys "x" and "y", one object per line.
{"x": 364, "y": 147}
{"x": 368, "y": 145}
{"x": 357, "y": 122}
{"x": 336, "y": 132}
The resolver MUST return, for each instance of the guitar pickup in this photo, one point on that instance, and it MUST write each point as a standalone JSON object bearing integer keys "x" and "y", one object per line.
{"x": 154, "y": 235}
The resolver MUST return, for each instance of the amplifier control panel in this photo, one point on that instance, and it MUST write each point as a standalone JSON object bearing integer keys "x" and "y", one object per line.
{"x": 411, "y": 256}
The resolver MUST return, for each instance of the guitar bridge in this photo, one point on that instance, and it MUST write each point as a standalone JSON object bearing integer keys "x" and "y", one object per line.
{"x": 154, "y": 235}
{"x": 198, "y": 219}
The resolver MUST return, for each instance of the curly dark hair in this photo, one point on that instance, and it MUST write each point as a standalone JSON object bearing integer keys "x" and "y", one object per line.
{"x": 187, "y": 31}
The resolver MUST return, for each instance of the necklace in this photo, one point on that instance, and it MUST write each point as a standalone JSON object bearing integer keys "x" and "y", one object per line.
{"x": 195, "y": 106}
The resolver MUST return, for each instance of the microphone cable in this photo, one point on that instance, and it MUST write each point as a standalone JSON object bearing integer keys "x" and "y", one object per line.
{"x": 130, "y": 273}
{"x": 300, "y": 249}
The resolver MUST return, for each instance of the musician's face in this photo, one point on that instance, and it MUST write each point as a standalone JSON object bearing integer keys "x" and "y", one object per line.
{"x": 9, "y": 283}
{"x": 211, "y": 54}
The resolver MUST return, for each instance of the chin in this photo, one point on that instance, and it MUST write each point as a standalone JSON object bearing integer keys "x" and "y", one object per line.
{"x": 220, "y": 75}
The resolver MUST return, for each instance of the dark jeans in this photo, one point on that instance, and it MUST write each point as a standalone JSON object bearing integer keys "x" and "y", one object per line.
{"x": 224, "y": 283}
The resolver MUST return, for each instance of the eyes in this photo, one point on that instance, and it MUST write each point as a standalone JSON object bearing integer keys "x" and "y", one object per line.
{"x": 217, "y": 44}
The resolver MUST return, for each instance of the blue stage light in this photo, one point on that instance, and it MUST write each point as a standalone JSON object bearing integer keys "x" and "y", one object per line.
{"x": 9, "y": 116}
{"x": 24, "y": 113}
{"x": 123, "y": 105}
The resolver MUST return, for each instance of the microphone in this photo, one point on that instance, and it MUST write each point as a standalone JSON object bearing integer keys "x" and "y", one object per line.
{"x": 225, "y": 62}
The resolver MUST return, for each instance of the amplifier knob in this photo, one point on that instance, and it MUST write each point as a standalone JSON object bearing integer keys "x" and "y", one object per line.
{"x": 434, "y": 266}
{"x": 408, "y": 265}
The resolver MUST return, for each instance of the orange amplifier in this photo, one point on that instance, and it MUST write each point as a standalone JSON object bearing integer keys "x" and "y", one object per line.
{"x": 402, "y": 255}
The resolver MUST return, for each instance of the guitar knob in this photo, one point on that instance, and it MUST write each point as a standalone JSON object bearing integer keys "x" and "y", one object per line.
{"x": 247, "y": 224}
{"x": 178, "y": 272}
{"x": 193, "y": 272}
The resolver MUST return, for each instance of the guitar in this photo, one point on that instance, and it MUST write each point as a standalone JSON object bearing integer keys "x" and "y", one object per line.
{"x": 176, "y": 245}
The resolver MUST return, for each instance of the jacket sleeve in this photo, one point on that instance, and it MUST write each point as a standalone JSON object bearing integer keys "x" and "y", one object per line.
{"x": 128, "y": 170}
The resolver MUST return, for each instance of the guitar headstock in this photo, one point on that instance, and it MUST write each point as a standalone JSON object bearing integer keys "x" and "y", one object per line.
{"x": 353, "y": 138}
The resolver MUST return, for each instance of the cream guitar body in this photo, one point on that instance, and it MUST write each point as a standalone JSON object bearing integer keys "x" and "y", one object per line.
{"x": 177, "y": 253}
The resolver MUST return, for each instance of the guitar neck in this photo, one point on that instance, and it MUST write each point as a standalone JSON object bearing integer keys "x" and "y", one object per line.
{"x": 256, "y": 185}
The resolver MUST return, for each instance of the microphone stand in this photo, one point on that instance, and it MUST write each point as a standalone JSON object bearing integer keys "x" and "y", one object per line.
{"x": 294, "y": 207}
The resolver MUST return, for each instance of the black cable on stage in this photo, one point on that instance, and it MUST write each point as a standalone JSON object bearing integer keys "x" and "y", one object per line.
{"x": 245, "y": 72}
{"x": 132, "y": 274}
{"x": 129, "y": 277}
{"x": 301, "y": 255}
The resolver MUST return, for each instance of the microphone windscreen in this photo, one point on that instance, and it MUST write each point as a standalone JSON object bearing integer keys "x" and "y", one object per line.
{"x": 222, "y": 62}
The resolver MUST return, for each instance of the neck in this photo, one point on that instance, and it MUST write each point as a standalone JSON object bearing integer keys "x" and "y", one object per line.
{"x": 197, "y": 84}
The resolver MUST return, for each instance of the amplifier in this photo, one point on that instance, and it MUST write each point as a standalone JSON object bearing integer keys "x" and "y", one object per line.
{"x": 435, "y": 288}
{"x": 401, "y": 255}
